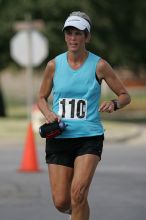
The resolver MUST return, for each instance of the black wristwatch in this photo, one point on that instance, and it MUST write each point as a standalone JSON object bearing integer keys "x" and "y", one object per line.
{"x": 116, "y": 104}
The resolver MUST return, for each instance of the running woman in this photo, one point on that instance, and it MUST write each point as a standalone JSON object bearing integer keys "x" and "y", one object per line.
{"x": 74, "y": 78}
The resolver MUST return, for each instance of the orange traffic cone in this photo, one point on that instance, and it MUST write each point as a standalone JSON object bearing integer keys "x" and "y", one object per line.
{"x": 29, "y": 161}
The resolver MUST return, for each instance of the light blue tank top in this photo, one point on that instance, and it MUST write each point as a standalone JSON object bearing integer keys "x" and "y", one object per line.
{"x": 76, "y": 95}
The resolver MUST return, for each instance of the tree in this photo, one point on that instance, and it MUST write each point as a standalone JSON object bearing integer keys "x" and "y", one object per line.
{"x": 2, "y": 105}
{"x": 118, "y": 32}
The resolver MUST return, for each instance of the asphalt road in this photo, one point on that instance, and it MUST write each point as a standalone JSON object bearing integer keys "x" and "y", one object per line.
{"x": 118, "y": 190}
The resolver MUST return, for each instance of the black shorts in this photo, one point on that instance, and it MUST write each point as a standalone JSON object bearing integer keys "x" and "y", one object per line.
{"x": 63, "y": 151}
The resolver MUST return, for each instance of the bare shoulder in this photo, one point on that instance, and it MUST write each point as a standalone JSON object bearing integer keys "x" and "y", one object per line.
{"x": 103, "y": 64}
{"x": 104, "y": 69}
{"x": 51, "y": 64}
{"x": 106, "y": 72}
{"x": 50, "y": 68}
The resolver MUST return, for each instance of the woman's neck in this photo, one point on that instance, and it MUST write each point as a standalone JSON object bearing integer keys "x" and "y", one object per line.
{"x": 76, "y": 59}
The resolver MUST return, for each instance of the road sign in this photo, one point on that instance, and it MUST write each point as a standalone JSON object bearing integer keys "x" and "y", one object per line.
{"x": 29, "y": 47}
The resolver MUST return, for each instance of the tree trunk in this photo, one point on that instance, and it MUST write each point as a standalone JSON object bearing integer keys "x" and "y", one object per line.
{"x": 2, "y": 105}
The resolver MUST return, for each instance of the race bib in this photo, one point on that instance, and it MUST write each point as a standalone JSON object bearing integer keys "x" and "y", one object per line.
{"x": 72, "y": 108}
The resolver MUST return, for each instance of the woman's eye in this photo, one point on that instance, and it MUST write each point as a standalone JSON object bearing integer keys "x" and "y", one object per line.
{"x": 69, "y": 33}
{"x": 78, "y": 33}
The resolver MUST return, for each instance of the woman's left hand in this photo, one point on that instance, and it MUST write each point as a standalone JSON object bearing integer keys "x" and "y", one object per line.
{"x": 106, "y": 106}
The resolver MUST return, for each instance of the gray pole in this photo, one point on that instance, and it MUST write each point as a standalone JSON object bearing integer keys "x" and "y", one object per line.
{"x": 29, "y": 73}
{"x": 17, "y": 47}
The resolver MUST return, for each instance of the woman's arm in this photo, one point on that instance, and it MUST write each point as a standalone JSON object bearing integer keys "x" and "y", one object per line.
{"x": 45, "y": 91}
{"x": 106, "y": 72}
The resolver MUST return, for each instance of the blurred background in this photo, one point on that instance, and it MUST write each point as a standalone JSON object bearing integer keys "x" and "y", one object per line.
{"x": 118, "y": 36}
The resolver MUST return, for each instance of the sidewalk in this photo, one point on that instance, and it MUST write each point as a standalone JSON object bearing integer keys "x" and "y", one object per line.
{"x": 118, "y": 132}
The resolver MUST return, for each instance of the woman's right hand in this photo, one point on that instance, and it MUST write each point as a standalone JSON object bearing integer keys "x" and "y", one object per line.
{"x": 51, "y": 117}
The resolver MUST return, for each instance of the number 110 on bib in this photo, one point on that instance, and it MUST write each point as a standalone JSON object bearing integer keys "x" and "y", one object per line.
{"x": 72, "y": 108}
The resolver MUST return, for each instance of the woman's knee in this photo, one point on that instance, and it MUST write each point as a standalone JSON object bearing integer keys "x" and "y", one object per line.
{"x": 79, "y": 193}
{"x": 61, "y": 203}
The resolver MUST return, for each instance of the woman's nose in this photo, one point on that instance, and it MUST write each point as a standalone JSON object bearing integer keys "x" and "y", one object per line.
{"x": 73, "y": 36}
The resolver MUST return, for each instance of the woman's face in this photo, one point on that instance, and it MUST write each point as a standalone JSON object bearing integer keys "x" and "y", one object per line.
{"x": 75, "y": 39}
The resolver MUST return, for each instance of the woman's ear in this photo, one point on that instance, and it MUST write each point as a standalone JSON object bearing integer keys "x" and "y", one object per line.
{"x": 65, "y": 37}
{"x": 88, "y": 37}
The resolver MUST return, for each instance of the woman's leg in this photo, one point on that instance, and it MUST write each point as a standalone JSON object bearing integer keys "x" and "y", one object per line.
{"x": 60, "y": 181}
{"x": 84, "y": 169}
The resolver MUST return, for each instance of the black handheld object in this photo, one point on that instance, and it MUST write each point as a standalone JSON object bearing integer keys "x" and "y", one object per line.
{"x": 52, "y": 130}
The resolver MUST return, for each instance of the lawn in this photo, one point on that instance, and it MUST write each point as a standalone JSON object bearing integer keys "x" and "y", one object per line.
{"x": 16, "y": 122}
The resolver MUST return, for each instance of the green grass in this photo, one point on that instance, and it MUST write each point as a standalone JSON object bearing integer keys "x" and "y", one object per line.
{"x": 16, "y": 122}
{"x": 137, "y": 103}
{"x": 138, "y": 100}
{"x": 12, "y": 128}
{"x": 16, "y": 108}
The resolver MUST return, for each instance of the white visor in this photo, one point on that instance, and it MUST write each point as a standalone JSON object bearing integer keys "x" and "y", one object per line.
{"x": 77, "y": 22}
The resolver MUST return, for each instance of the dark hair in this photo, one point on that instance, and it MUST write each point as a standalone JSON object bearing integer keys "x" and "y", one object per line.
{"x": 86, "y": 32}
{"x": 82, "y": 15}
